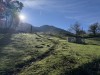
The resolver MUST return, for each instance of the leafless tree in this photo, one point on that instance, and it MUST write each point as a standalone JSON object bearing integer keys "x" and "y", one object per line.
{"x": 94, "y": 28}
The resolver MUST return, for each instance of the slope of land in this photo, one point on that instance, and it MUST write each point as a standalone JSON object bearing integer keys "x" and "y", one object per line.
{"x": 17, "y": 50}
{"x": 47, "y": 29}
{"x": 35, "y": 54}
{"x": 68, "y": 59}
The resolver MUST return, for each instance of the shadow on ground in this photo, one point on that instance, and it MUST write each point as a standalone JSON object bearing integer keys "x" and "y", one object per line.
{"x": 92, "y": 68}
{"x": 4, "y": 41}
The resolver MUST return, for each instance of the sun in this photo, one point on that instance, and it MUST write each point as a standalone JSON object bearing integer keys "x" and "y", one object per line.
{"x": 22, "y": 17}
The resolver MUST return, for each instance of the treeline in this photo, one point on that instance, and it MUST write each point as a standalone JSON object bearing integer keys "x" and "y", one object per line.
{"x": 93, "y": 30}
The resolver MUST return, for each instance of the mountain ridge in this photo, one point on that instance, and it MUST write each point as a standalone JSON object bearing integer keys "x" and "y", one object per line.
{"x": 47, "y": 29}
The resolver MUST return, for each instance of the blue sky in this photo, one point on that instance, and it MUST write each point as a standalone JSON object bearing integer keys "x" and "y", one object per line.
{"x": 61, "y": 13}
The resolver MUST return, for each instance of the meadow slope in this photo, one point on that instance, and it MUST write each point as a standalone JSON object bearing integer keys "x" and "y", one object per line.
{"x": 35, "y": 54}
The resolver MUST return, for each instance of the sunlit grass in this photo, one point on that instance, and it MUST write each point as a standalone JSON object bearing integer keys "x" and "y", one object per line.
{"x": 22, "y": 47}
{"x": 64, "y": 58}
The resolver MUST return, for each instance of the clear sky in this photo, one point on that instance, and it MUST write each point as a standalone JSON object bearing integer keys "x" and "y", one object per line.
{"x": 61, "y": 13}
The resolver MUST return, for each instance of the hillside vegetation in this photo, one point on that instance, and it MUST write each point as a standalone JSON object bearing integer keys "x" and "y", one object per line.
{"x": 35, "y": 54}
{"x": 19, "y": 49}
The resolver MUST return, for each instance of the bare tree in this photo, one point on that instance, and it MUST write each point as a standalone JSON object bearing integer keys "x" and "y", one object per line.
{"x": 94, "y": 28}
{"x": 76, "y": 29}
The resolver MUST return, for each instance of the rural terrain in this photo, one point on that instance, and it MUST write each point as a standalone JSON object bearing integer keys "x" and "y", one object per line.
{"x": 49, "y": 37}
{"x": 39, "y": 54}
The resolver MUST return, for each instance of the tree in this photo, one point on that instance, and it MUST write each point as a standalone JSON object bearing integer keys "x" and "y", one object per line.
{"x": 76, "y": 28}
{"x": 14, "y": 8}
{"x": 94, "y": 28}
{"x": 2, "y": 16}
{"x": 11, "y": 11}
{"x": 99, "y": 28}
{"x": 2, "y": 9}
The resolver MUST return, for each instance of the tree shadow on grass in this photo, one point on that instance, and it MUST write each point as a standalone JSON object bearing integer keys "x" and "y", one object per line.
{"x": 4, "y": 41}
{"x": 92, "y": 68}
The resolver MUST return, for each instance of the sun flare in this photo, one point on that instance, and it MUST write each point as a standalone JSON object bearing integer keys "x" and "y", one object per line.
{"x": 22, "y": 17}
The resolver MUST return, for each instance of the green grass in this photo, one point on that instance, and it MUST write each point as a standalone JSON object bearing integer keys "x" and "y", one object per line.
{"x": 44, "y": 55}
{"x": 66, "y": 58}
{"x": 20, "y": 49}
{"x": 93, "y": 41}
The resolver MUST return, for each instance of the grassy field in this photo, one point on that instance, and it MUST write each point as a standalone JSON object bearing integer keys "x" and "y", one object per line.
{"x": 93, "y": 41}
{"x": 33, "y": 54}
{"x": 16, "y": 50}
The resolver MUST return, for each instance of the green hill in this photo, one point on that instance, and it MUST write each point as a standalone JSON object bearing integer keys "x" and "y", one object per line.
{"x": 35, "y": 54}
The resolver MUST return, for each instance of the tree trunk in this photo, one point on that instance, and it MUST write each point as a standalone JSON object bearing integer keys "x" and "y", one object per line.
{"x": 94, "y": 33}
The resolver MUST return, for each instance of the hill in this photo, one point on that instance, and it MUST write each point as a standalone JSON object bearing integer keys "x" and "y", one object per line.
{"x": 46, "y": 29}
{"x": 38, "y": 54}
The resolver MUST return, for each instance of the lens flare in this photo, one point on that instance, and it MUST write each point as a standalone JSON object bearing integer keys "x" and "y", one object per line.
{"x": 22, "y": 17}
